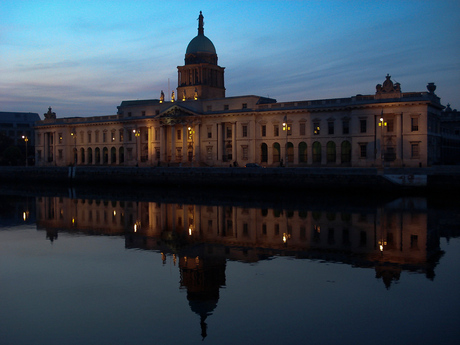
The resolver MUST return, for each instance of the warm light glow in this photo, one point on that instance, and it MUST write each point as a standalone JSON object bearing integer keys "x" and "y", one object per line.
{"x": 381, "y": 247}
{"x": 190, "y": 231}
{"x": 24, "y": 215}
{"x": 73, "y": 220}
{"x": 114, "y": 213}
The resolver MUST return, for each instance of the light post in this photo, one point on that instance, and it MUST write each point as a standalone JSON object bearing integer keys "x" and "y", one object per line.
{"x": 382, "y": 124}
{"x": 191, "y": 134}
{"x": 286, "y": 128}
{"x": 74, "y": 134}
{"x": 26, "y": 140}
{"x": 137, "y": 134}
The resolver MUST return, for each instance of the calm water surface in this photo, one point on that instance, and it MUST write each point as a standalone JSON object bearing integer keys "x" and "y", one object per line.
{"x": 94, "y": 271}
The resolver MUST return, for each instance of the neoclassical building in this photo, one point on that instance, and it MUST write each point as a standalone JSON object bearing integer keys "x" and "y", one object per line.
{"x": 199, "y": 126}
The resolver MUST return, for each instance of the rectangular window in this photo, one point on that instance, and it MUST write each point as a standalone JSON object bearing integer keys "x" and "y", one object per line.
{"x": 390, "y": 125}
{"x": 157, "y": 134}
{"x": 245, "y": 152}
{"x": 289, "y": 128}
{"x": 60, "y": 155}
{"x": 225, "y": 106}
{"x": 264, "y": 130}
{"x": 179, "y": 132}
{"x": 316, "y": 128}
{"x": 345, "y": 127}
{"x": 82, "y": 137}
{"x": 330, "y": 128}
{"x": 104, "y": 137}
{"x": 209, "y": 132}
{"x": 89, "y": 137}
{"x": 245, "y": 131}
{"x": 415, "y": 150}
{"x": 209, "y": 108}
{"x": 414, "y": 124}
{"x": 363, "y": 125}
{"x": 129, "y": 114}
{"x": 363, "y": 150}
{"x": 60, "y": 138}
{"x": 302, "y": 128}
{"x": 121, "y": 135}
{"x": 209, "y": 153}
{"x": 245, "y": 105}
{"x": 229, "y": 132}
{"x": 143, "y": 113}
{"x": 276, "y": 130}
{"x": 97, "y": 136}
{"x": 112, "y": 136}
{"x": 130, "y": 135}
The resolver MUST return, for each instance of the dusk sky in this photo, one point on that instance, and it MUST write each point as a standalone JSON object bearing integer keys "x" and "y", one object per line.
{"x": 83, "y": 58}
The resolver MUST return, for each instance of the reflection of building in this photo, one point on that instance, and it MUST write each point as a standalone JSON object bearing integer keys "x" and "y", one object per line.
{"x": 199, "y": 124}
{"x": 391, "y": 238}
{"x": 396, "y": 234}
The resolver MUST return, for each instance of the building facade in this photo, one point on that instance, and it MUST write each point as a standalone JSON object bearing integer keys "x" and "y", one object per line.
{"x": 199, "y": 126}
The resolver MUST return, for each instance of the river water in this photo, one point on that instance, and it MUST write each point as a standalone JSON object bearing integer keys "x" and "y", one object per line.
{"x": 98, "y": 270}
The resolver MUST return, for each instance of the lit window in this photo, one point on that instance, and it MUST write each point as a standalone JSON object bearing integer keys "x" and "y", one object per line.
{"x": 316, "y": 128}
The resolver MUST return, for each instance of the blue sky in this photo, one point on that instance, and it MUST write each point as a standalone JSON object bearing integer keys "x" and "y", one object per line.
{"x": 84, "y": 57}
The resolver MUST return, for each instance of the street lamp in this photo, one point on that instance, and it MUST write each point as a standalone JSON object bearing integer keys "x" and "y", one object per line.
{"x": 26, "y": 140}
{"x": 137, "y": 134}
{"x": 74, "y": 134}
{"x": 382, "y": 124}
{"x": 286, "y": 128}
{"x": 191, "y": 134}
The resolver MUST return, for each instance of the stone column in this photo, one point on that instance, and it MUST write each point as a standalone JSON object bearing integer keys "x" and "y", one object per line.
{"x": 220, "y": 142}
{"x": 184, "y": 143}
{"x": 234, "y": 149}
{"x": 163, "y": 146}
{"x": 173, "y": 143}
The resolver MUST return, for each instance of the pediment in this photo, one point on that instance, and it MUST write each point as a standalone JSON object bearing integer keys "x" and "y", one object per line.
{"x": 176, "y": 114}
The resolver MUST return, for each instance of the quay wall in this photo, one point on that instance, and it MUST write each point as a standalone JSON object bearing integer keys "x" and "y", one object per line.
{"x": 347, "y": 179}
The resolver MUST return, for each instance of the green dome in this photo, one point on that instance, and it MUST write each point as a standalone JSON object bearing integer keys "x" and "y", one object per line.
{"x": 200, "y": 44}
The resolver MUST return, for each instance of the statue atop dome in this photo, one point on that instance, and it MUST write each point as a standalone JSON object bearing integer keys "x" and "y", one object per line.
{"x": 200, "y": 24}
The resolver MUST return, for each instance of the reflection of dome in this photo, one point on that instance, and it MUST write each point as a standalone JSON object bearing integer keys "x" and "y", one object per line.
{"x": 200, "y": 44}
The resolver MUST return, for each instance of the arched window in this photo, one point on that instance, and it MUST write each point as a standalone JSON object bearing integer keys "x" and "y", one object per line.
{"x": 98, "y": 155}
{"x": 316, "y": 150}
{"x": 290, "y": 152}
{"x": 276, "y": 152}
{"x": 90, "y": 156}
{"x": 82, "y": 155}
{"x": 105, "y": 155}
{"x": 113, "y": 155}
{"x": 346, "y": 152}
{"x": 121, "y": 155}
{"x": 264, "y": 153}
{"x": 330, "y": 148}
{"x": 303, "y": 152}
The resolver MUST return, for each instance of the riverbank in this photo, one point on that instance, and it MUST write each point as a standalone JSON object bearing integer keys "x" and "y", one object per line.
{"x": 446, "y": 178}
